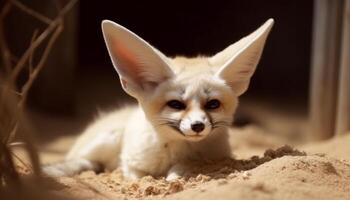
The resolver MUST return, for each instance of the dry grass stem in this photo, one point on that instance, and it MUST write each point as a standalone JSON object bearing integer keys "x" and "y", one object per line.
{"x": 31, "y": 56}
{"x": 40, "y": 39}
{"x": 31, "y": 12}
{"x": 32, "y": 76}
{"x": 27, "y": 165}
{"x": 12, "y": 99}
{"x": 6, "y": 55}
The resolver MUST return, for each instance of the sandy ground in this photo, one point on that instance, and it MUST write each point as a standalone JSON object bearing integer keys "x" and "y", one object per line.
{"x": 264, "y": 168}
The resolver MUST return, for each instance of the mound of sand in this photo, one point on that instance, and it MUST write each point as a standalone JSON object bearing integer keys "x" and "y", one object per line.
{"x": 289, "y": 177}
{"x": 315, "y": 171}
{"x": 283, "y": 173}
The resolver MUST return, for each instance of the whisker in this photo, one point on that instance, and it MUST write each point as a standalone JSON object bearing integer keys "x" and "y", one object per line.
{"x": 174, "y": 124}
{"x": 221, "y": 123}
{"x": 167, "y": 119}
{"x": 169, "y": 122}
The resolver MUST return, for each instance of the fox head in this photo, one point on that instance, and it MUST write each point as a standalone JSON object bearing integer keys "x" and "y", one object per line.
{"x": 184, "y": 98}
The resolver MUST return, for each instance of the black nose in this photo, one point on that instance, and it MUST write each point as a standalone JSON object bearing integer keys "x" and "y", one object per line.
{"x": 197, "y": 127}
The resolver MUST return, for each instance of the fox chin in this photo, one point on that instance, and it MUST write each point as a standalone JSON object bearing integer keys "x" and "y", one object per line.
{"x": 185, "y": 108}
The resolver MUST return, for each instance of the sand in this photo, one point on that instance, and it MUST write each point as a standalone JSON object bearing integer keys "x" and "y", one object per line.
{"x": 264, "y": 168}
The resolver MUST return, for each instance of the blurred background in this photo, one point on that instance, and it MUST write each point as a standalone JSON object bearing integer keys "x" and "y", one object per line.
{"x": 56, "y": 76}
{"x": 303, "y": 63}
{"x": 299, "y": 92}
{"x": 78, "y": 79}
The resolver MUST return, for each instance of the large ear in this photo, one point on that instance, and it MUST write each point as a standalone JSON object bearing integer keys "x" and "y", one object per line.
{"x": 140, "y": 66}
{"x": 238, "y": 61}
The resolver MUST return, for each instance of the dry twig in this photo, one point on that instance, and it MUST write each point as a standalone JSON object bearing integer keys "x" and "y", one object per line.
{"x": 31, "y": 12}
{"x": 55, "y": 23}
{"x": 12, "y": 101}
{"x": 6, "y": 55}
{"x": 37, "y": 69}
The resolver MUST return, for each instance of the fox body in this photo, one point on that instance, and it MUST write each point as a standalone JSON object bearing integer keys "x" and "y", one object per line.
{"x": 185, "y": 107}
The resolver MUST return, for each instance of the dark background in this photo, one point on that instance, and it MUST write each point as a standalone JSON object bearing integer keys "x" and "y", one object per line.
{"x": 79, "y": 76}
{"x": 191, "y": 28}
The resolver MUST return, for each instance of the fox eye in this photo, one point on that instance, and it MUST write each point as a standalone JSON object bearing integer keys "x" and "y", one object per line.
{"x": 212, "y": 104}
{"x": 175, "y": 104}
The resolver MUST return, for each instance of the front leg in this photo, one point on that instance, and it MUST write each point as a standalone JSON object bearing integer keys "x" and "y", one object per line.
{"x": 71, "y": 167}
{"x": 176, "y": 171}
{"x": 132, "y": 173}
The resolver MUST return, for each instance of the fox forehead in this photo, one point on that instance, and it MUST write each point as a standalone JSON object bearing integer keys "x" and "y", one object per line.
{"x": 194, "y": 77}
{"x": 183, "y": 66}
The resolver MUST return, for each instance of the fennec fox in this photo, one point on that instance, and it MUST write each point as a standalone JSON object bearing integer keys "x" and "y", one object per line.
{"x": 185, "y": 107}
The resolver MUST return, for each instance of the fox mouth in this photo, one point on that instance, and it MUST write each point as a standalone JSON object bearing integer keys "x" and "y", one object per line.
{"x": 175, "y": 125}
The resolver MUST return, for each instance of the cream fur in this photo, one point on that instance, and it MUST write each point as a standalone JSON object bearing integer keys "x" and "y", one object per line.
{"x": 139, "y": 138}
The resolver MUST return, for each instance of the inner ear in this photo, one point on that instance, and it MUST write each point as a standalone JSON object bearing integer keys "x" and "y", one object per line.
{"x": 240, "y": 59}
{"x": 139, "y": 65}
{"x": 131, "y": 65}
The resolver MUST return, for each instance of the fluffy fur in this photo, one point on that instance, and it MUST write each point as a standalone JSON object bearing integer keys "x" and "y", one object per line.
{"x": 159, "y": 136}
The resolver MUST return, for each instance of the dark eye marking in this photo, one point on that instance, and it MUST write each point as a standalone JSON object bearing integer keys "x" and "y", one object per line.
{"x": 175, "y": 104}
{"x": 212, "y": 104}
